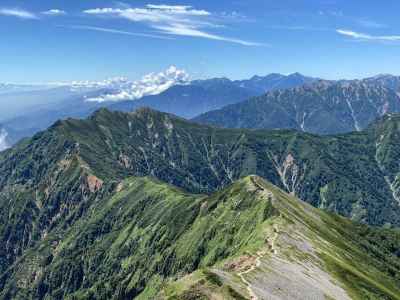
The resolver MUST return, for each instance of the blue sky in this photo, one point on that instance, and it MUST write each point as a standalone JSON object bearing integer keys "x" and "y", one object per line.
{"x": 43, "y": 40}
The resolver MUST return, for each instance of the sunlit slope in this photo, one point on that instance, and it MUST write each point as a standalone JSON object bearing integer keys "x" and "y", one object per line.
{"x": 300, "y": 253}
{"x": 248, "y": 240}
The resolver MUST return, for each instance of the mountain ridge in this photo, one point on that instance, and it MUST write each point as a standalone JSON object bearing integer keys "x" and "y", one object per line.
{"x": 187, "y": 100}
{"x": 146, "y": 238}
{"x": 207, "y": 94}
{"x": 252, "y": 267}
{"x": 323, "y": 107}
{"x": 75, "y": 186}
{"x": 203, "y": 158}
{"x": 202, "y": 96}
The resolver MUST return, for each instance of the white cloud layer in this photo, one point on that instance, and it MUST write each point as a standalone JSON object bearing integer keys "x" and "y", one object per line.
{"x": 18, "y": 13}
{"x": 3, "y": 139}
{"x": 368, "y": 37}
{"x": 54, "y": 12}
{"x": 179, "y": 20}
{"x": 151, "y": 84}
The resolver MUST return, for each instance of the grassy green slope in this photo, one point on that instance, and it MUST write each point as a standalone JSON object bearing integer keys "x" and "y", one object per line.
{"x": 345, "y": 174}
{"x": 149, "y": 233}
{"x": 305, "y": 254}
{"x": 58, "y": 177}
{"x": 146, "y": 229}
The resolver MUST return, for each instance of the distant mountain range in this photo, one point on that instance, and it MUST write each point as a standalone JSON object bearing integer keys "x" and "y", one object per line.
{"x": 273, "y": 101}
{"x": 191, "y": 99}
{"x": 323, "y": 107}
{"x": 387, "y": 80}
{"x": 79, "y": 220}
{"x": 201, "y": 96}
{"x": 183, "y": 99}
{"x": 274, "y": 81}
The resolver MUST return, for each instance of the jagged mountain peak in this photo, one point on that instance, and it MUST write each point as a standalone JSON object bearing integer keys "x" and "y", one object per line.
{"x": 296, "y": 74}
{"x": 323, "y": 107}
{"x": 269, "y": 76}
{"x": 387, "y": 80}
{"x": 381, "y": 76}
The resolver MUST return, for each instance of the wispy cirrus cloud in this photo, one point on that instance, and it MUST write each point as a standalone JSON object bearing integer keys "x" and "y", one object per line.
{"x": 18, "y": 13}
{"x": 368, "y": 37}
{"x": 179, "y": 20}
{"x": 54, "y": 12}
{"x": 117, "y": 31}
{"x": 185, "y": 30}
